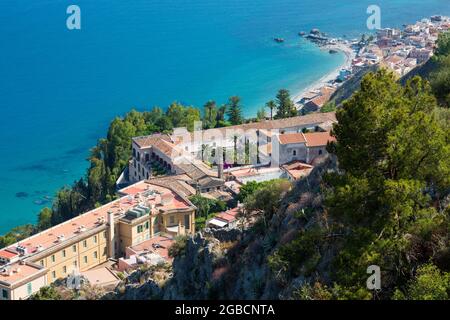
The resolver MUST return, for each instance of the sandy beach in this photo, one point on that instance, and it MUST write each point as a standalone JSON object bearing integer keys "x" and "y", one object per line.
{"x": 349, "y": 56}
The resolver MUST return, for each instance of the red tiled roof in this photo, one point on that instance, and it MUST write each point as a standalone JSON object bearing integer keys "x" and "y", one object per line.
{"x": 289, "y": 138}
{"x": 309, "y": 119}
{"x": 318, "y": 139}
{"x": 20, "y": 272}
{"x": 7, "y": 254}
{"x": 90, "y": 219}
{"x": 298, "y": 169}
{"x": 229, "y": 215}
{"x": 157, "y": 244}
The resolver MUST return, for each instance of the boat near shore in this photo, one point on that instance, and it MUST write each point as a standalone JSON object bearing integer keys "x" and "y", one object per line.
{"x": 278, "y": 40}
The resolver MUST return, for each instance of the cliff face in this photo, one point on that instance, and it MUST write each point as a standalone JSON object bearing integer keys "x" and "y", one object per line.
{"x": 350, "y": 86}
{"x": 236, "y": 266}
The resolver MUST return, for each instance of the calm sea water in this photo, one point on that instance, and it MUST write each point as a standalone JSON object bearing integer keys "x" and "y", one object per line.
{"x": 59, "y": 89}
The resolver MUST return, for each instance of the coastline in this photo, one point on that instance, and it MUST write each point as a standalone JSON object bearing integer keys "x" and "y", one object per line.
{"x": 332, "y": 75}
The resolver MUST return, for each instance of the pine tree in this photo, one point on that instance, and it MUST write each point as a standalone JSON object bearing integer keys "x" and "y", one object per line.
{"x": 234, "y": 110}
{"x": 285, "y": 106}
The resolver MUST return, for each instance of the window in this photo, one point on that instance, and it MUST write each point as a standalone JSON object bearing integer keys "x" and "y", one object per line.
{"x": 139, "y": 228}
{"x": 104, "y": 251}
{"x": 53, "y": 274}
{"x": 147, "y": 225}
{"x": 85, "y": 243}
{"x": 95, "y": 239}
{"x": 187, "y": 221}
{"x": 53, "y": 258}
{"x": 95, "y": 255}
{"x": 64, "y": 253}
{"x": 172, "y": 219}
{"x": 320, "y": 152}
{"x": 5, "y": 294}
{"x": 85, "y": 259}
{"x": 42, "y": 263}
{"x": 294, "y": 153}
{"x": 134, "y": 153}
{"x": 64, "y": 269}
{"x": 105, "y": 235}
{"x": 75, "y": 263}
{"x": 29, "y": 288}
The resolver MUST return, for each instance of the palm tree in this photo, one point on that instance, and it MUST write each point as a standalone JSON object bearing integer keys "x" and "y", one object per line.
{"x": 271, "y": 105}
{"x": 210, "y": 114}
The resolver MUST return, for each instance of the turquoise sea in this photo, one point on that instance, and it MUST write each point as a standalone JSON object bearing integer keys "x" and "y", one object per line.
{"x": 59, "y": 89}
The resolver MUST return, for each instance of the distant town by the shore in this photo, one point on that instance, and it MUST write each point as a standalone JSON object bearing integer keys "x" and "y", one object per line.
{"x": 399, "y": 50}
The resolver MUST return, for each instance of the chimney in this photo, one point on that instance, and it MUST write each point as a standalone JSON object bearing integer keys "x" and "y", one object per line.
{"x": 220, "y": 162}
{"x": 111, "y": 239}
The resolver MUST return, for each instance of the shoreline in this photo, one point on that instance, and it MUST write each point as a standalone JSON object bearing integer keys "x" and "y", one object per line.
{"x": 332, "y": 75}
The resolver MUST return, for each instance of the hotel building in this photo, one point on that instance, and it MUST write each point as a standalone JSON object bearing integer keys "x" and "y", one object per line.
{"x": 143, "y": 211}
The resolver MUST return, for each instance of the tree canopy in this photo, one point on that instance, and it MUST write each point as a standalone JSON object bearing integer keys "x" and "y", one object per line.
{"x": 235, "y": 110}
{"x": 285, "y": 106}
{"x": 394, "y": 158}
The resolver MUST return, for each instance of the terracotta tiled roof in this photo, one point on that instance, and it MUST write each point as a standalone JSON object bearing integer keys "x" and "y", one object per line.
{"x": 314, "y": 139}
{"x": 8, "y": 254}
{"x": 309, "y": 119}
{"x": 148, "y": 141}
{"x": 290, "y": 138}
{"x": 318, "y": 139}
{"x": 20, "y": 272}
{"x": 90, "y": 220}
{"x": 178, "y": 183}
{"x": 229, "y": 215}
{"x": 394, "y": 59}
{"x": 323, "y": 98}
{"x": 298, "y": 169}
{"x": 158, "y": 244}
